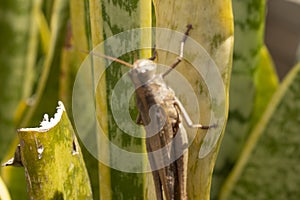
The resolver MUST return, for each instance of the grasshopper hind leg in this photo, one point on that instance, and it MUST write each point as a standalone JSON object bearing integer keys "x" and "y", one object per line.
{"x": 155, "y": 175}
{"x": 187, "y": 118}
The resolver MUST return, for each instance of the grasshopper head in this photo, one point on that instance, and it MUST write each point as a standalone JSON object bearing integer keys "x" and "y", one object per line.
{"x": 142, "y": 71}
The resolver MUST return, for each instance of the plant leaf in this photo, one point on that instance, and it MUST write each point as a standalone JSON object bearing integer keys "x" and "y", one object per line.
{"x": 102, "y": 20}
{"x": 17, "y": 56}
{"x": 268, "y": 165}
{"x": 15, "y": 23}
{"x": 265, "y": 85}
{"x": 118, "y": 17}
{"x": 51, "y": 155}
{"x": 79, "y": 33}
{"x": 48, "y": 81}
{"x": 250, "y": 88}
{"x": 213, "y": 29}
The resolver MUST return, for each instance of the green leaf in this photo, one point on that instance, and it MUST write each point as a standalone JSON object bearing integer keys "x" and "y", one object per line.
{"x": 70, "y": 62}
{"x": 14, "y": 40}
{"x": 53, "y": 162}
{"x": 253, "y": 82}
{"x": 212, "y": 23}
{"x": 48, "y": 81}
{"x": 268, "y": 165}
{"x": 118, "y": 17}
{"x": 99, "y": 21}
{"x": 266, "y": 83}
{"x": 72, "y": 57}
{"x": 17, "y": 58}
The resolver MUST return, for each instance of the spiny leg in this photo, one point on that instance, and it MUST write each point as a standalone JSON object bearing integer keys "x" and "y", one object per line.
{"x": 179, "y": 58}
{"x": 188, "y": 119}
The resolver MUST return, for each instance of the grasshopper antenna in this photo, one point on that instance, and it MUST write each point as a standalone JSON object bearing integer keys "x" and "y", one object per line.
{"x": 179, "y": 58}
{"x": 108, "y": 58}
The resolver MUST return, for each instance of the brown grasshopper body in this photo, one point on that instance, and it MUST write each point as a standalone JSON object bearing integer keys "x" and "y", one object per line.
{"x": 161, "y": 112}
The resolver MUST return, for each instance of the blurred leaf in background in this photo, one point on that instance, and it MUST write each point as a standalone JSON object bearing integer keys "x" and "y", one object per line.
{"x": 253, "y": 83}
{"x": 15, "y": 73}
{"x": 268, "y": 166}
{"x": 259, "y": 155}
{"x": 28, "y": 72}
{"x": 17, "y": 57}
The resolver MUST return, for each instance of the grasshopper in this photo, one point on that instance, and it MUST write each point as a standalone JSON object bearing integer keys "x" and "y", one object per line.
{"x": 161, "y": 113}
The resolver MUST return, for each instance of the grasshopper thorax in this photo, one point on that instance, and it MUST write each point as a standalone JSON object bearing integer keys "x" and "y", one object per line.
{"x": 143, "y": 70}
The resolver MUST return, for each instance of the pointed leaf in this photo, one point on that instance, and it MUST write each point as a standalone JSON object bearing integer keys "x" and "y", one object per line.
{"x": 105, "y": 19}
{"x": 268, "y": 166}
{"x": 213, "y": 31}
{"x": 250, "y": 87}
